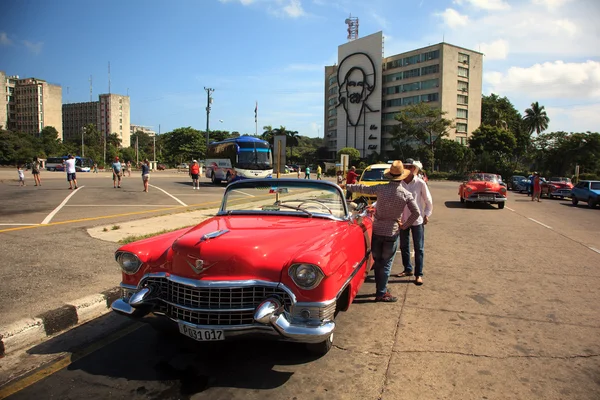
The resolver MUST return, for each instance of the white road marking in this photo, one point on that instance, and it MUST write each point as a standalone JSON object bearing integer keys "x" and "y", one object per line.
{"x": 538, "y": 222}
{"x": 19, "y": 224}
{"x": 508, "y": 208}
{"x": 170, "y": 195}
{"x": 247, "y": 194}
{"x": 61, "y": 205}
{"x": 594, "y": 249}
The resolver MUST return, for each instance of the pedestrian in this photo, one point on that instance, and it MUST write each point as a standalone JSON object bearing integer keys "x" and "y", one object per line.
{"x": 95, "y": 168}
{"x": 340, "y": 177}
{"x": 350, "y": 180}
{"x": 70, "y": 168}
{"x": 420, "y": 192}
{"x": 146, "y": 174}
{"x": 129, "y": 168}
{"x": 35, "y": 171}
{"x": 392, "y": 202}
{"x": 298, "y": 172}
{"x": 21, "y": 175}
{"x": 537, "y": 187}
{"x": 319, "y": 171}
{"x": 307, "y": 172}
{"x": 194, "y": 173}
{"x": 117, "y": 173}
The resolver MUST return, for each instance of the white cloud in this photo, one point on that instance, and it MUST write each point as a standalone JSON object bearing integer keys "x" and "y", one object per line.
{"x": 578, "y": 118}
{"x": 487, "y": 4}
{"x": 380, "y": 20}
{"x": 453, "y": 18}
{"x": 551, "y": 4}
{"x": 243, "y": 2}
{"x": 497, "y": 50}
{"x": 35, "y": 48}
{"x": 550, "y": 80}
{"x": 4, "y": 40}
{"x": 294, "y": 9}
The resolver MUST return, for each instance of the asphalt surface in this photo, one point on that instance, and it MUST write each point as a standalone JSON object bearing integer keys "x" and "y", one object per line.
{"x": 508, "y": 310}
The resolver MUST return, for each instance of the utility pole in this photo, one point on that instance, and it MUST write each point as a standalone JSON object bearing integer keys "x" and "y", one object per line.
{"x": 82, "y": 148}
{"x": 137, "y": 154}
{"x": 208, "y": 102}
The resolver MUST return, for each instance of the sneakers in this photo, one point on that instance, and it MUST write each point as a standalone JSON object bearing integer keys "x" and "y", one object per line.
{"x": 387, "y": 298}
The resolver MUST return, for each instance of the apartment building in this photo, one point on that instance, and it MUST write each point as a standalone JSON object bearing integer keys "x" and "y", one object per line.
{"x": 145, "y": 129}
{"x": 28, "y": 105}
{"x": 443, "y": 75}
{"x": 110, "y": 114}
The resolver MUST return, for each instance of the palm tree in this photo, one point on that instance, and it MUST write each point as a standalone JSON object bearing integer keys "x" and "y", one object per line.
{"x": 535, "y": 119}
{"x": 268, "y": 134}
{"x": 292, "y": 139}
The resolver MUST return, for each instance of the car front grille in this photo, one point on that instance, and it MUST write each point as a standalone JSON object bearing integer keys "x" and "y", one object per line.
{"x": 213, "y": 305}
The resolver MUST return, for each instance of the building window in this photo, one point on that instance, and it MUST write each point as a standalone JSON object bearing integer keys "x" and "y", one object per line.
{"x": 392, "y": 103}
{"x": 463, "y": 58}
{"x": 332, "y": 80}
{"x": 331, "y": 122}
{"x": 462, "y": 99}
{"x": 430, "y": 97}
{"x": 463, "y": 86}
{"x": 430, "y": 55}
{"x": 463, "y": 72}
{"x": 461, "y": 127}
{"x": 430, "y": 84}
{"x": 394, "y": 64}
{"x": 392, "y": 77}
{"x": 462, "y": 113}
{"x": 411, "y": 73}
{"x": 332, "y": 112}
{"x": 388, "y": 116}
{"x": 332, "y": 101}
{"x": 431, "y": 69}
{"x": 462, "y": 140}
{"x": 409, "y": 87}
{"x": 412, "y": 59}
{"x": 407, "y": 101}
{"x": 393, "y": 89}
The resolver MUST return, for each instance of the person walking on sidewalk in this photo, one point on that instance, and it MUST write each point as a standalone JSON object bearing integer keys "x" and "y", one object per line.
{"x": 392, "y": 200}
{"x": 420, "y": 192}
{"x": 35, "y": 171}
{"x": 146, "y": 174}
{"x": 128, "y": 166}
{"x": 350, "y": 179}
{"x": 319, "y": 172}
{"x": 537, "y": 187}
{"x": 194, "y": 173}
{"x": 307, "y": 172}
{"x": 71, "y": 172}
{"x": 117, "y": 173}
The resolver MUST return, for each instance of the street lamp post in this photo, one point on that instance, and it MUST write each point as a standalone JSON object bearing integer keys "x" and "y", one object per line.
{"x": 82, "y": 148}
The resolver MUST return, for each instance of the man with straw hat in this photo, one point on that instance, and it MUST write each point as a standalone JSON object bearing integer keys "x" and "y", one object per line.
{"x": 392, "y": 199}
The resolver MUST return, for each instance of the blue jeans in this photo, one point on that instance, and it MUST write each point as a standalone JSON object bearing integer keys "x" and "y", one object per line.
{"x": 418, "y": 235}
{"x": 384, "y": 250}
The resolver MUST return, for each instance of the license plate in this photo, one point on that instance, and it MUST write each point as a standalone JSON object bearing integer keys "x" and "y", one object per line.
{"x": 489, "y": 198}
{"x": 201, "y": 335}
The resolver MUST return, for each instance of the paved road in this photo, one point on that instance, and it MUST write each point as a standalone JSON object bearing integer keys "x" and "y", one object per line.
{"x": 508, "y": 310}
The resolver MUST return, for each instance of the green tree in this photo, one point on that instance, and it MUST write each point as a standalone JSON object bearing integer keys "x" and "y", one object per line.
{"x": 493, "y": 147}
{"x": 535, "y": 119}
{"x": 452, "y": 155}
{"x": 352, "y": 153}
{"x": 268, "y": 134}
{"x": 500, "y": 112}
{"x": 50, "y": 143}
{"x": 420, "y": 126}
{"x": 183, "y": 144}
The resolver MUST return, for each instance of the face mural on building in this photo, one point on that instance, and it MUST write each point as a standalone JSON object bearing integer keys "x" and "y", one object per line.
{"x": 356, "y": 81}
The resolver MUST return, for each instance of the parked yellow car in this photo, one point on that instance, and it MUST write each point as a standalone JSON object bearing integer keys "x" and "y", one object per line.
{"x": 372, "y": 175}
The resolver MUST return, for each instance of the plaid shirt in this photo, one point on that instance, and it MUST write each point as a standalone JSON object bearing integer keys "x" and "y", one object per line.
{"x": 391, "y": 200}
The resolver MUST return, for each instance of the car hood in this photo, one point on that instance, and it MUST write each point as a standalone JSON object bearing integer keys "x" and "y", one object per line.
{"x": 561, "y": 185}
{"x": 482, "y": 185}
{"x": 254, "y": 247}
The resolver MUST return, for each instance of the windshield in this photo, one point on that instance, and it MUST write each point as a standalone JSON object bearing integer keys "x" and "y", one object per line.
{"x": 272, "y": 196}
{"x": 373, "y": 175}
{"x": 560, "y": 179}
{"x": 483, "y": 177}
{"x": 254, "y": 156}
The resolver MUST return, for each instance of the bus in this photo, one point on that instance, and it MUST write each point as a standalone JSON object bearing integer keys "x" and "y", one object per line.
{"x": 82, "y": 164}
{"x": 238, "y": 158}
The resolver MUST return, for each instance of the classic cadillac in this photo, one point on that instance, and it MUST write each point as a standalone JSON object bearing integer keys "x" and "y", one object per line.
{"x": 482, "y": 187}
{"x": 557, "y": 187}
{"x": 280, "y": 259}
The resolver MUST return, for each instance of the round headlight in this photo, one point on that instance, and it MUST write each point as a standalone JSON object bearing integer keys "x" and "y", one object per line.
{"x": 469, "y": 189}
{"x": 306, "y": 276}
{"x": 129, "y": 262}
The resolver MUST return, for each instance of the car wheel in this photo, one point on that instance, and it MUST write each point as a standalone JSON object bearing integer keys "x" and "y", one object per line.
{"x": 591, "y": 203}
{"x": 322, "y": 348}
{"x": 500, "y": 205}
{"x": 574, "y": 201}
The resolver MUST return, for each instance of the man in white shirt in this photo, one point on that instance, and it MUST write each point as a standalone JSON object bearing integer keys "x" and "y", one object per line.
{"x": 418, "y": 188}
{"x": 70, "y": 168}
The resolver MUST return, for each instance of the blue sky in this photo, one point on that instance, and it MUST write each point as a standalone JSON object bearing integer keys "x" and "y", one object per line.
{"x": 163, "y": 53}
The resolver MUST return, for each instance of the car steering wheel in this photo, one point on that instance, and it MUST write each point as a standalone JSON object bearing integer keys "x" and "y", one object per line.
{"x": 321, "y": 205}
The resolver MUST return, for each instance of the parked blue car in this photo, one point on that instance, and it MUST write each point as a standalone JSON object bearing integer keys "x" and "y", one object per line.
{"x": 586, "y": 191}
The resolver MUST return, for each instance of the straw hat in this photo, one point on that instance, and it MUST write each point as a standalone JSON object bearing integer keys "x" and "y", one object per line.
{"x": 396, "y": 172}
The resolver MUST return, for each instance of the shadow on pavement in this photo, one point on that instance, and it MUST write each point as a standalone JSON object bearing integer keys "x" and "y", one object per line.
{"x": 454, "y": 204}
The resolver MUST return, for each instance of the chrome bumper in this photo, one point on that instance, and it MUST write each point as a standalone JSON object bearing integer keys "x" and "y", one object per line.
{"x": 478, "y": 200}
{"x": 270, "y": 318}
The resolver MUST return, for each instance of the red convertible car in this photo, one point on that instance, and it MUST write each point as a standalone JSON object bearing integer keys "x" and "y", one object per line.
{"x": 280, "y": 259}
{"x": 482, "y": 188}
{"x": 557, "y": 187}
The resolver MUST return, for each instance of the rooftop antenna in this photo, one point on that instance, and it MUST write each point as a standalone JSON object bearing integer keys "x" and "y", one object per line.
{"x": 352, "y": 23}
{"x": 109, "y": 77}
{"x": 90, "y": 88}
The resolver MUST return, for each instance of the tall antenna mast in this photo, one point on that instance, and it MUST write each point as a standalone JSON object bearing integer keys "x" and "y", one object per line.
{"x": 352, "y": 23}
{"x": 90, "y": 88}
{"x": 109, "y": 77}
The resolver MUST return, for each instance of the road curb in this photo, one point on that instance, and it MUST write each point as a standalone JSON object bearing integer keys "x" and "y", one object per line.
{"x": 30, "y": 331}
